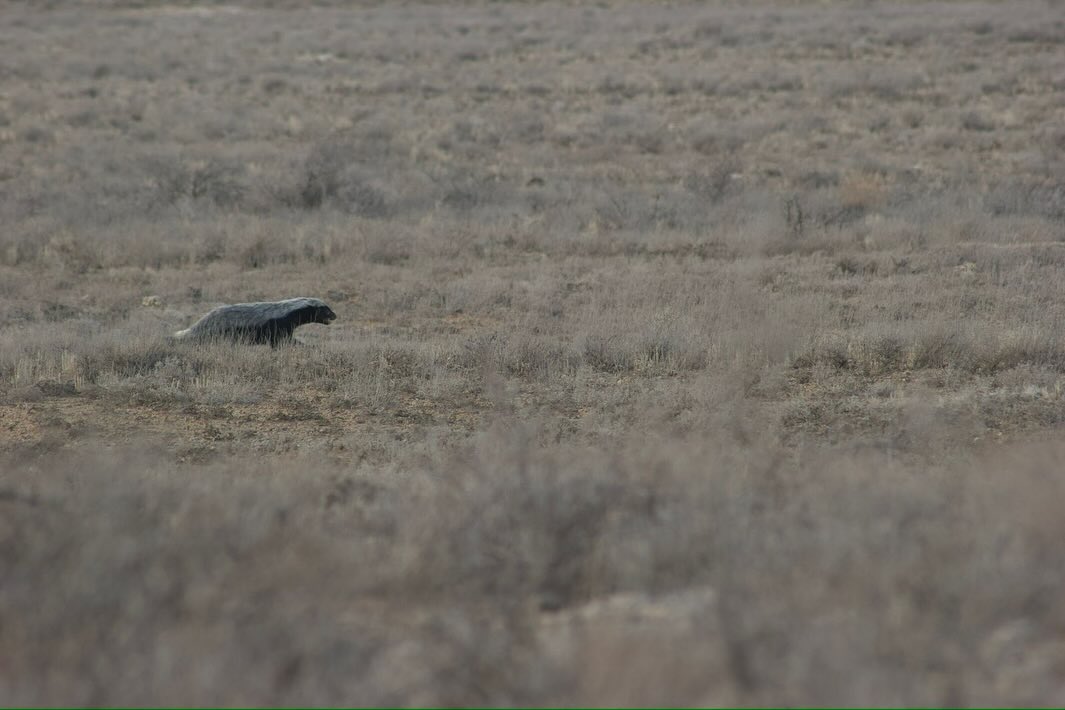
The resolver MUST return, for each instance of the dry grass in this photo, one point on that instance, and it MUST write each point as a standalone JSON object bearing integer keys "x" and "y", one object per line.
{"x": 686, "y": 354}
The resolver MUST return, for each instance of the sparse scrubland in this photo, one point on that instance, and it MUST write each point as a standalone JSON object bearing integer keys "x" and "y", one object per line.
{"x": 700, "y": 353}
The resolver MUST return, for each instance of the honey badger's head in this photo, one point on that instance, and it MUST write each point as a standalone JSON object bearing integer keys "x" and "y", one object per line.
{"x": 313, "y": 310}
{"x": 301, "y": 311}
{"x": 324, "y": 314}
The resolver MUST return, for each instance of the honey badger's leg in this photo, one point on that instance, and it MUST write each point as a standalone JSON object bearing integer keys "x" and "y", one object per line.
{"x": 280, "y": 334}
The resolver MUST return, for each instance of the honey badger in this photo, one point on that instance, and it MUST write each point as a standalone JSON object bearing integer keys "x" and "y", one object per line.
{"x": 267, "y": 322}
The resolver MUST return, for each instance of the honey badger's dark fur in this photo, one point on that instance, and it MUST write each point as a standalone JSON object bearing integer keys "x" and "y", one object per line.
{"x": 270, "y": 322}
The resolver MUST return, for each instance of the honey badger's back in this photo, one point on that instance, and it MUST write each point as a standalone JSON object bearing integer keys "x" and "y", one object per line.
{"x": 230, "y": 322}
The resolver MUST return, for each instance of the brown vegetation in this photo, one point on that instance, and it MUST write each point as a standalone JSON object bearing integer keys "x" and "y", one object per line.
{"x": 686, "y": 354}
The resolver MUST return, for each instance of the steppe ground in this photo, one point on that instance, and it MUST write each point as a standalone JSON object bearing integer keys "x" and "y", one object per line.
{"x": 699, "y": 353}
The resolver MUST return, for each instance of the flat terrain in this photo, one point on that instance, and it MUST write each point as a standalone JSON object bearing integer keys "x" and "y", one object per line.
{"x": 686, "y": 353}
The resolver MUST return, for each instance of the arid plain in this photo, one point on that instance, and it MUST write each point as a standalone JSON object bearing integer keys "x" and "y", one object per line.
{"x": 686, "y": 353}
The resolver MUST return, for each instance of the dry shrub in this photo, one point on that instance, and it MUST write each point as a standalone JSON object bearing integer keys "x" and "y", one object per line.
{"x": 863, "y": 191}
{"x": 872, "y": 353}
{"x": 337, "y": 173}
{"x": 212, "y": 180}
{"x": 538, "y": 358}
{"x": 1024, "y": 197}
{"x": 300, "y": 580}
{"x": 606, "y": 355}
